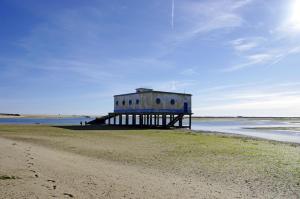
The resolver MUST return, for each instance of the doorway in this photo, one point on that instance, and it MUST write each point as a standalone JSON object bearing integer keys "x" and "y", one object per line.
{"x": 185, "y": 107}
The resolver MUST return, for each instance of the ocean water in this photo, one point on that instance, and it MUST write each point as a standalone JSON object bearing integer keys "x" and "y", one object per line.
{"x": 245, "y": 127}
{"x": 49, "y": 121}
{"x": 233, "y": 126}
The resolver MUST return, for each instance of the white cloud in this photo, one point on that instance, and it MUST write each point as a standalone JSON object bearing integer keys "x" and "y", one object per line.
{"x": 255, "y": 59}
{"x": 261, "y": 100}
{"x": 172, "y": 85}
{"x": 246, "y": 44}
{"x": 189, "y": 72}
{"x": 207, "y": 16}
{"x": 268, "y": 57}
{"x": 286, "y": 106}
{"x": 281, "y": 42}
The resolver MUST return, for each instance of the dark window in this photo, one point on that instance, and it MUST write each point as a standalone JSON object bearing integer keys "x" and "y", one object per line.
{"x": 172, "y": 101}
{"x": 130, "y": 102}
{"x": 117, "y": 103}
{"x": 123, "y": 102}
{"x": 137, "y": 101}
{"x": 157, "y": 101}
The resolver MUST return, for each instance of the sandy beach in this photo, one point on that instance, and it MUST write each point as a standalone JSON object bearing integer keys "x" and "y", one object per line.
{"x": 74, "y": 162}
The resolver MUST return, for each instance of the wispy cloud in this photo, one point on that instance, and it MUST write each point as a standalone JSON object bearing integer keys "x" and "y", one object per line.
{"x": 273, "y": 43}
{"x": 281, "y": 99}
{"x": 75, "y": 42}
{"x": 255, "y": 59}
{"x": 285, "y": 106}
{"x": 207, "y": 16}
{"x": 268, "y": 57}
{"x": 170, "y": 85}
{"x": 189, "y": 72}
{"x": 222, "y": 88}
{"x": 246, "y": 44}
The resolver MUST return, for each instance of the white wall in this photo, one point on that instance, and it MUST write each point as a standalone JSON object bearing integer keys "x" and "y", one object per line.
{"x": 147, "y": 102}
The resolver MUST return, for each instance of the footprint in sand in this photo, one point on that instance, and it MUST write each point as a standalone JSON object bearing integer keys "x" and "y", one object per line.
{"x": 70, "y": 195}
{"x": 46, "y": 186}
{"x": 53, "y": 186}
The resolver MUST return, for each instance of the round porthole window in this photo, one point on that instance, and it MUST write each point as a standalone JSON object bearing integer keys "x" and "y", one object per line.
{"x": 123, "y": 102}
{"x": 130, "y": 102}
{"x": 172, "y": 101}
{"x": 117, "y": 103}
{"x": 157, "y": 101}
{"x": 137, "y": 101}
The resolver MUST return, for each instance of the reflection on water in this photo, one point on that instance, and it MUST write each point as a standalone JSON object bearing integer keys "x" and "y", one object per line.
{"x": 236, "y": 126}
{"x": 245, "y": 127}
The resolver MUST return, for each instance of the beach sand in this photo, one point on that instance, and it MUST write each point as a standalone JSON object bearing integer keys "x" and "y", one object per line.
{"x": 45, "y": 162}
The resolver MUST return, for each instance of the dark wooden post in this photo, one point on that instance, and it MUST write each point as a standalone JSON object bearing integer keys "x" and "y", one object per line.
{"x": 155, "y": 120}
{"x": 164, "y": 120}
{"x": 109, "y": 118}
{"x": 141, "y": 119}
{"x": 190, "y": 121}
{"x": 180, "y": 121}
{"x": 126, "y": 119}
{"x": 133, "y": 119}
{"x": 115, "y": 119}
{"x": 120, "y": 119}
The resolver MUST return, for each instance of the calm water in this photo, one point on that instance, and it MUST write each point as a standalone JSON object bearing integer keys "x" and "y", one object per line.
{"x": 235, "y": 126}
{"x": 240, "y": 126}
{"x": 50, "y": 121}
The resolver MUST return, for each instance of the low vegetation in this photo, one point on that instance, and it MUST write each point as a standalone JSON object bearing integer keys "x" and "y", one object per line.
{"x": 216, "y": 157}
{"x": 277, "y": 128}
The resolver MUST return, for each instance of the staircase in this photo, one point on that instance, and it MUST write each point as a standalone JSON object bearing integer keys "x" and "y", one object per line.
{"x": 101, "y": 120}
{"x": 176, "y": 119}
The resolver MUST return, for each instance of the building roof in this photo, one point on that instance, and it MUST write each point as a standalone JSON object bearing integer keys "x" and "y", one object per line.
{"x": 146, "y": 90}
{"x": 140, "y": 90}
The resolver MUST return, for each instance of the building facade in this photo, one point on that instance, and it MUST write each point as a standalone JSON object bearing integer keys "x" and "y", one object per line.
{"x": 147, "y": 108}
{"x": 150, "y": 101}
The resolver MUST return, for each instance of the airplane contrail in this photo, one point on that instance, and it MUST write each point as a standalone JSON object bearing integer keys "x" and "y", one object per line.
{"x": 172, "y": 15}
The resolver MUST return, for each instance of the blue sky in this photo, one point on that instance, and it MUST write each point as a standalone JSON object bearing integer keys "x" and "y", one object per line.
{"x": 237, "y": 57}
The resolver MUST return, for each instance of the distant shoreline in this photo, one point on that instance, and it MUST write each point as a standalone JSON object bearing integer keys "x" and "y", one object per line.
{"x": 40, "y": 116}
{"x": 15, "y": 115}
{"x": 241, "y": 117}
